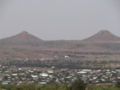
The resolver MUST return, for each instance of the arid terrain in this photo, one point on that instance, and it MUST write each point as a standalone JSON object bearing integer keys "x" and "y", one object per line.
{"x": 102, "y": 47}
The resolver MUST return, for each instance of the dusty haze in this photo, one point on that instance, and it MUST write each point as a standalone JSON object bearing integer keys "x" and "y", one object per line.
{"x": 59, "y": 19}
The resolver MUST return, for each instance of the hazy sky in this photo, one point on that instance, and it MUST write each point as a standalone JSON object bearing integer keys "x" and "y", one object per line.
{"x": 59, "y": 19}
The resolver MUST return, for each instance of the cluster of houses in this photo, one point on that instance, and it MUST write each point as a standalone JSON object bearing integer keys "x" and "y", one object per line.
{"x": 15, "y": 75}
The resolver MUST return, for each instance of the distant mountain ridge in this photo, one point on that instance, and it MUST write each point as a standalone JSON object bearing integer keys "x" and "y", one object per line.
{"x": 103, "y": 35}
{"x": 25, "y": 38}
{"x": 26, "y": 45}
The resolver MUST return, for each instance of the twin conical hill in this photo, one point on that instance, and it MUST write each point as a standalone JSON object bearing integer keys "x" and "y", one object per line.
{"x": 25, "y": 38}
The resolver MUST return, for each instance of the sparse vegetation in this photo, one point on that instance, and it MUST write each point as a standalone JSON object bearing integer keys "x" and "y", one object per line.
{"x": 58, "y": 87}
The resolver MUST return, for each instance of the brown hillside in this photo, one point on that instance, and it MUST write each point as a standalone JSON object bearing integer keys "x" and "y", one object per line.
{"x": 103, "y": 35}
{"x": 22, "y": 38}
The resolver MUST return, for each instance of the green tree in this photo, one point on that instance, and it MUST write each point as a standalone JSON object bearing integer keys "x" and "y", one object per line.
{"x": 118, "y": 84}
{"x": 78, "y": 85}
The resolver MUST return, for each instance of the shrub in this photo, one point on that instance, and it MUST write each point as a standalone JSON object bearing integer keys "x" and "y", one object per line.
{"x": 78, "y": 85}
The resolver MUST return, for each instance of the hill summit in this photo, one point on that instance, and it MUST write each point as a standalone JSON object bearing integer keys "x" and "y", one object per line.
{"x": 103, "y": 35}
{"x": 22, "y": 38}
